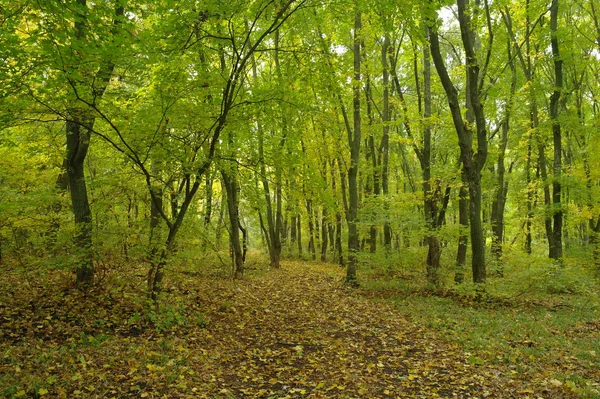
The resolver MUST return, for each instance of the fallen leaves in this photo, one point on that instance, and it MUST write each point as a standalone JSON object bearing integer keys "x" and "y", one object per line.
{"x": 291, "y": 333}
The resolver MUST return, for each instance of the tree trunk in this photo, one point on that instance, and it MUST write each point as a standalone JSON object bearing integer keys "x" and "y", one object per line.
{"x": 472, "y": 161}
{"x": 556, "y": 251}
{"x": 299, "y": 235}
{"x": 78, "y": 141}
{"x": 311, "y": 230}
{"x": 385, "y": 144}
{"x": 273, "y": 218}
{"x": 293, "y": 226}
{"x": 463, "y": 239}
{"x": 232, "y": 190}
{"x": 208, "y": 201}
{"x": 324, "y": 236}
{"x": 354, "y": 143}
{"x": 78, "y": 130}
{"x": 499, "y": 202}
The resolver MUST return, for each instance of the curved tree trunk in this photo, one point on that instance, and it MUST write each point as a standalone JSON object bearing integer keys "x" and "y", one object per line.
{"x": 78, "y": 141}
{"x": 472, "y": 161}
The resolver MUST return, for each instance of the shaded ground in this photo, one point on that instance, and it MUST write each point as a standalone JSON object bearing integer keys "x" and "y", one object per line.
{"x": 290, "y": 333}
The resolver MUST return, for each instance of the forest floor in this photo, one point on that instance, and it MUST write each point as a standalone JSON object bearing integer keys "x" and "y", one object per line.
{"x": 297, "y": 332}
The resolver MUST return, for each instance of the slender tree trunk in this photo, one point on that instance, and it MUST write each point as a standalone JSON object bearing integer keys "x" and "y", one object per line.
{"x": 311, "y": 230}
{"x": 273, "y": 218}
{"x": 499, "y": 203}
{"x": 299, "y": 235}
{"x": 434, "y": 249}
{"x": 385, "y": 144}
{"x": 556, "y": 251}
{"x": 528, "y": 221}
{"x": 208, "y": 200}
{"x": 463, "y": 239}
{"x": 232, "y": 190}
{"x": 324, "y": 236}
{"x": 219, "y": 228}
{"x": 354, "y": 143}
{"x": 472, "y": 161}
{"x": 293, "y": 226}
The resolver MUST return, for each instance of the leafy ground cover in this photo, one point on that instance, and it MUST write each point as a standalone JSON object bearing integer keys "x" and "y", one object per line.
{"x": 290, "y": 333}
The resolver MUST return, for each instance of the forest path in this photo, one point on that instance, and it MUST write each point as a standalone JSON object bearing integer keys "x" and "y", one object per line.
{"x": 298, "y": 332}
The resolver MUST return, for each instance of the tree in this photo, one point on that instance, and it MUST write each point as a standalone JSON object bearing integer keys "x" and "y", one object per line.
{"x": 472, "y": 161}
{"x": 354, "y": 138}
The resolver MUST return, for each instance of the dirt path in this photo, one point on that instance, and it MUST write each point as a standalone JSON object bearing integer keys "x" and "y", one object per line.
{"x": 298, "y": 333}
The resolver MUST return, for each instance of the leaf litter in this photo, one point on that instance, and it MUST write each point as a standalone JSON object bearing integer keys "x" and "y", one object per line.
{"x": 297, "y": 332}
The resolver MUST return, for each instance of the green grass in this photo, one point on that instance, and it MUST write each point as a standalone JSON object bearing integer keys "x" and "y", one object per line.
{"x": 541, "y": 320}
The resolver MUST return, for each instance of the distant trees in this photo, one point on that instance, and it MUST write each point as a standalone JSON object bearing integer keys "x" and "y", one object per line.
{"x": 300, "y": 125}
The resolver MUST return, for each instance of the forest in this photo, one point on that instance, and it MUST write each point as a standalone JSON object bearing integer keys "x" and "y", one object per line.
{"x": 299, "y": 199}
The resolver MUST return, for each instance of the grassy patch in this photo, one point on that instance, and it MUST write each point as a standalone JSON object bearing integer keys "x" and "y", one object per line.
{"x": 541, "y": 321}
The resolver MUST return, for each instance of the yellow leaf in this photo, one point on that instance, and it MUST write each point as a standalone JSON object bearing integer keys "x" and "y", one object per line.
{"x": 21, "y": 393}
{"x": 556, "y": 383}
{"x": 42, "y": 391}
{"x": 320, "y": 385}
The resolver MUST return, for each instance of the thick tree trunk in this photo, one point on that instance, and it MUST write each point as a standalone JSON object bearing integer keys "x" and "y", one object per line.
{"x": 78, "y": 130}
{"x": 78, "y": 141}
